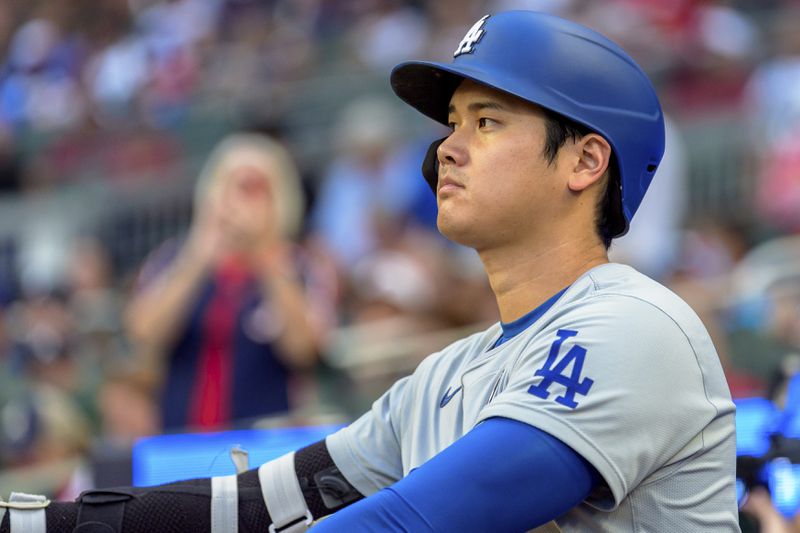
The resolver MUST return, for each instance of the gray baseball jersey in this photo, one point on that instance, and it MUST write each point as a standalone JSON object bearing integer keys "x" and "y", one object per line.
{"x": 619, "y": 368}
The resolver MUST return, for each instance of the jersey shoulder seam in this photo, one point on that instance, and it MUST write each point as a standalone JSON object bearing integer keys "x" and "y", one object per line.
{"x": 683, "y": 332}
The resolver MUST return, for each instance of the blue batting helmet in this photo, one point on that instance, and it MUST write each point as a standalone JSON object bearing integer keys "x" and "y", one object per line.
{"x": 561, "y": 66}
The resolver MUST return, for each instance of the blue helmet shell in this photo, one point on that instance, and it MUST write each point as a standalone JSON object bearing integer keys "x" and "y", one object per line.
{"x": 559, "y": 65}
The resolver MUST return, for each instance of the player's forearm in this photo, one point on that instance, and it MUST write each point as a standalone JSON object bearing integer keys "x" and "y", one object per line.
{"x": 155, "y": 315}
{"x": 177, "y": 507}
{"x": 307, "y": 483}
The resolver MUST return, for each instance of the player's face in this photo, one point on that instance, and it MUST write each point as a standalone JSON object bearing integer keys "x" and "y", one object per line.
{"x": 495, "y": 186}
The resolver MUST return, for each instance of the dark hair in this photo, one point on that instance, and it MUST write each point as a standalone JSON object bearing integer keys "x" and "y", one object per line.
{"x": 609, "y": 220}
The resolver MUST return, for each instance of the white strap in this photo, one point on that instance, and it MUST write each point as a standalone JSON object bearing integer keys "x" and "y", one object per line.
{"x": 27, "y": 513}
{"x": 283, "y": 497}
{"x": 224, "y": 504}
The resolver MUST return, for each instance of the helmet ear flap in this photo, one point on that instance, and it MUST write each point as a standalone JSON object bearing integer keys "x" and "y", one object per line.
{"x": 430, "y": 165}
{"x": 615, "y": 217}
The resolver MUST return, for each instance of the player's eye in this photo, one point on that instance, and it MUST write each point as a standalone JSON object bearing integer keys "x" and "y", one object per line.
{"x": 485, "y": 121}
{"x": 451, "y": 125}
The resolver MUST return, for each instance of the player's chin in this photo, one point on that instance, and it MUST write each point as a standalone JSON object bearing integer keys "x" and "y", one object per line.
{"x": 455, "y": 228}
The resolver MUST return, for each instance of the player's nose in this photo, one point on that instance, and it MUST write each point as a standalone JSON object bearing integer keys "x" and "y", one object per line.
{"x": 452, "y": 151}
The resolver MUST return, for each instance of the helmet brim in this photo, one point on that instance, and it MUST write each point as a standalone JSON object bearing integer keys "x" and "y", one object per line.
{"x": 428, "y": 86}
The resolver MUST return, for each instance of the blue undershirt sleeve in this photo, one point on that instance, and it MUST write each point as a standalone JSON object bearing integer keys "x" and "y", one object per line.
{"x": 504, "y": 475}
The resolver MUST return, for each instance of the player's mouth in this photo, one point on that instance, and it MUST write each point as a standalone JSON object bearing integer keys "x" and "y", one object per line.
{"x": 448, "y": 185}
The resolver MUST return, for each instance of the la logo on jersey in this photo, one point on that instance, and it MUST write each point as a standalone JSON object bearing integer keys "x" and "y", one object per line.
{"x": 554, "y": 370}
{"x": 472, "y": 37}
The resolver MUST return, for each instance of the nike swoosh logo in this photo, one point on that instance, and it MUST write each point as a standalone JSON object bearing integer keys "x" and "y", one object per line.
{"x": 448, "y": 396}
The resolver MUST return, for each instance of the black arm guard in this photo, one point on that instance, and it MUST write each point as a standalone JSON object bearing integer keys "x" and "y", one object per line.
{"x": 185, "y": 506}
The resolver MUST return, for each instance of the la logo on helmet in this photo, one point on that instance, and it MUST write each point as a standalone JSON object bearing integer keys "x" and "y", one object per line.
{"x": 472, "y": 37}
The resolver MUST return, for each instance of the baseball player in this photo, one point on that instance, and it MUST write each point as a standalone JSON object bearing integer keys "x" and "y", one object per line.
{"x": 597, "y": 403}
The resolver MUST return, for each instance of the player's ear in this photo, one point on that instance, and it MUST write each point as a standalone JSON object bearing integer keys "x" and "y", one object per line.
{"x": 593, "y": 156}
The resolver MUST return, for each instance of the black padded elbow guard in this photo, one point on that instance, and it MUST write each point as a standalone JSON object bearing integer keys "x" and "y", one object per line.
{"x": 185, "y": 506}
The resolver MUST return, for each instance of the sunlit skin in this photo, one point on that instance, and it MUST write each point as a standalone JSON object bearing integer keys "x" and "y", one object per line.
{"x": 531, "y": 221}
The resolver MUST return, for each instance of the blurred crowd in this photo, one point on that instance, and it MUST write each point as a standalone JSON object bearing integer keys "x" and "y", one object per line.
{"x": 299, "y": 269}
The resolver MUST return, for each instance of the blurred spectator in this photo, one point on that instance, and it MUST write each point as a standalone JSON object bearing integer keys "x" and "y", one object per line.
{"x": 10, "y": 368}
{"x": 172, "y": 32}
{"x": 388, "y": 32}
{"x": 709, "y": 248}
{"x": 47, "y": 226}
{"x": 763, "y": 317}
{"x": 770, "y": 520}
{"x": 652, "y": 243}
{"x": 10, "y": 164}
{"x": 774, "y": 110}
{"x": 44, "y": 434}
{"x": 778, "y": 191}
{"x": 39, "y": 85}
{"x": 261, "y": 49}
{"x": 225, "y": 310}
{"x": 94, "y": 302}
{"x": 708, "y": 251}
{"x": 363, "y": 193}
{"x": 44, "y": 342}
{"x": 44, "y": 425}
{"x": 722, "y": 46}
{"x": 773, "y": 101}
{"x": 128, "y": 411}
